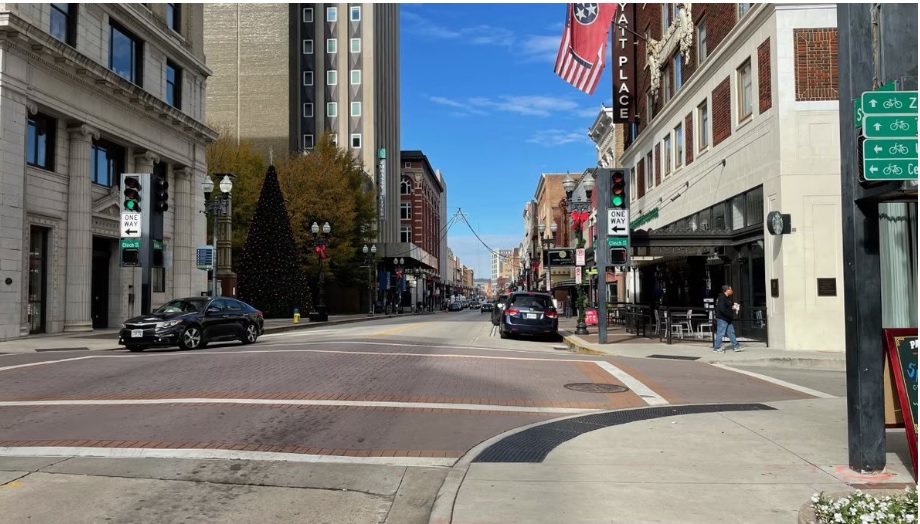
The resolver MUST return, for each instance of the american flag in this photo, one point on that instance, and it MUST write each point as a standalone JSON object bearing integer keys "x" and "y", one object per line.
{"x": 580, "y": 60}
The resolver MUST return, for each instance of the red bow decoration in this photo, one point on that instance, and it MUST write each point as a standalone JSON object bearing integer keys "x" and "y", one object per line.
{"x": 321, "y": 250}
{"x": 579, "y": 218}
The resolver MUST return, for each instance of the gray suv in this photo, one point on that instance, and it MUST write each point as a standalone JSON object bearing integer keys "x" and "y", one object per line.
{"x": 529, "y": 313}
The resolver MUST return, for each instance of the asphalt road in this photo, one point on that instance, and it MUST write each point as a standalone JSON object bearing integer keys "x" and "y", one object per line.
{"x": 379, "y": 409}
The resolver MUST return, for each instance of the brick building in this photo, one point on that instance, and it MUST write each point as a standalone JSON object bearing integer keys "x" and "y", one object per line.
{"x": 737, "y": 117}
{"x": 87, "y": 92}
{"x": 421, "y": 221}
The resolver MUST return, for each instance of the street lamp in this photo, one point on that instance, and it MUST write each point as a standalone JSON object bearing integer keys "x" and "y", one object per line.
{"x": 370, "y": 259}
{"x": 319, "y": 245}
{"x": 548, "y": 242}
{"x": 580, "y": 209}
{"x": 215, "y": 207}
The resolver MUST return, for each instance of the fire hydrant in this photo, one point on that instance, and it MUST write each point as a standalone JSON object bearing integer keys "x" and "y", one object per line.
{"x": 296, "y": 315}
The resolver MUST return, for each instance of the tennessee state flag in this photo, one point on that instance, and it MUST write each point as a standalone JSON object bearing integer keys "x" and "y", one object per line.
{"x": 580, "y": 60}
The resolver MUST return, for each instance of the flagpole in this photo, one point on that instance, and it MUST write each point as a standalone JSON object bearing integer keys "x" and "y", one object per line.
{"x": 630, "y": 31}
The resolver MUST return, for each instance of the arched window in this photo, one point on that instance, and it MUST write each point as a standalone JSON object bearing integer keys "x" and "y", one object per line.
{"x": 405, "y": 187}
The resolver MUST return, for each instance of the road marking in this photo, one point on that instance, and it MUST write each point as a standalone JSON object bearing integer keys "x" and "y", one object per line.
{"x": 645, "y": 393}
{"x": 294, "y": 402}
{"x": 380, "y": 353}
{"x": 224, "y": 454}
{"x": 7, "y": 368}
{"x": 778, "y": 382}
{"x": 397, "y": 329}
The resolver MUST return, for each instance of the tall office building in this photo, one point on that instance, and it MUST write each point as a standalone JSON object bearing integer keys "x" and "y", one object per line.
{"x": 285, "y": 74}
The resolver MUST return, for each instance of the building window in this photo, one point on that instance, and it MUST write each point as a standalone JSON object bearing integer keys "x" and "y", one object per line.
{"x": 174, "y": 17}
{"x": 307, "y": 15}
{"x": 106, "y": 162}
{"x": 332, "y": 109}
{"x": 308, "y": 141}
{"x": 64, "y": 23}
{"x": 308, "y": 47}
{"x": 125, "y": 54}
{"x": 355, "y": 13}
{"x": 332, "y": 14}
{"x": 667, "y": 154}
{"x": 356, "y": 109}
{"x": 649, "y": 172}
{"x": 173, "y": 85}
{"x": 405, "y": 211}
{"x": 754, "y": 202}
{"x": 649, "y": 106}
{"x": 405, "y": 234}
{"x": 703, "y": 118}
{"x": 40, "y": 146}
{"x": 356, "y": 141}
{"x": 665, "y": 18}
{"x": 678, "y": 145}
{"x": 737, "y": 216}
{"x": 308, "y": 110}
{"x": 332, "y": 45}
{"x": 667, "y": 81}
{"x": 355, "y": 77}
{"x": 745, "y": 100}
{"x": 678, "y": 73}
{"x": 405, "y": 187}
{"x": 701, "y": 50}
{"x": 633, "y": 184}
{"x": 308, "y": 78}
{"x": 332, "y": 78}
{"x": 355, "y": 45}
{"x": 743, "y": 8}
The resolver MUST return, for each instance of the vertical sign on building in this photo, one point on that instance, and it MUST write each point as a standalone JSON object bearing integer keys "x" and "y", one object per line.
{"x": 382, "y": 183}
{"x": 624, "y": 64}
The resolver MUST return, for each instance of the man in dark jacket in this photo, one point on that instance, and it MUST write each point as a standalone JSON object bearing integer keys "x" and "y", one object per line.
{"x": 725, "y": 313}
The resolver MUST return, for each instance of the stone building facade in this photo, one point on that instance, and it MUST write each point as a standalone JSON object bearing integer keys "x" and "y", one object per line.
{"x": 88, "y": 92}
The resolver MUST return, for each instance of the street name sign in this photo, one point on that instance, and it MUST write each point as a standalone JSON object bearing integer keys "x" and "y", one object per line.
{"x": 130, "y": 225}
{"x": 130, "y": 243}
{"x": 618, "y": 222}
{"x": 617, "y": 242}
{"x": 890, "y": 126}
{"x": 889, "y": 103}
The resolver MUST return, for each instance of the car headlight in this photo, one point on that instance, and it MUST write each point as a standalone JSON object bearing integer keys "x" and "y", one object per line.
{"x": 168, "y": 324}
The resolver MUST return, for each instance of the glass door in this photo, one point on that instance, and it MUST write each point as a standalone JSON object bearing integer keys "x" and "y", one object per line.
{"x": 38, "y": 278}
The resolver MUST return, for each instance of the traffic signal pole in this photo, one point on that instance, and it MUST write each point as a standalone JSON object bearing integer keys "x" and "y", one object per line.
{"x": 602, "y": 188}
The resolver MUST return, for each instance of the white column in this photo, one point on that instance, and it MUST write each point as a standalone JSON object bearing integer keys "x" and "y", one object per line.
{"x": 78, "y": 297}
{"x": 183, "y": 250}
{"x": 13, "y": 296}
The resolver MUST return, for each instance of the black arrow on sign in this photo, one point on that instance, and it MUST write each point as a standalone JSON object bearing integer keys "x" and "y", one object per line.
{"x": 617, "y": 229}
{"x": 130, "y": 231}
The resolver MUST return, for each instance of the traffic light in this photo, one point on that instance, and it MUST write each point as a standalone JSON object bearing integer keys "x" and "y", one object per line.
{"x": 130, "y": 257}
{"x": 618, "y": 256}
{"x": 618, "y": 189}
{"x": 160, "y": 195}
{"x": 131, "y": 186}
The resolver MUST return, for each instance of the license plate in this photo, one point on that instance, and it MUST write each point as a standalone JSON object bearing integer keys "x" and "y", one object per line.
{"x": 531, "y": 315}
{"x": 137, "y": 333}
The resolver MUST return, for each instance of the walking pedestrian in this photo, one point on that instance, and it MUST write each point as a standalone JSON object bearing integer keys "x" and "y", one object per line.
{"x": 725, "y": 313}
{"x": 568, "y": 306}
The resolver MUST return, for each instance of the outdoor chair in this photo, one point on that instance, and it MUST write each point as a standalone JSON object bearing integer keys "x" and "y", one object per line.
{"x": 657, "y": 323}
{"x": 687, "y": 324}
{"x": 704, "y": 328}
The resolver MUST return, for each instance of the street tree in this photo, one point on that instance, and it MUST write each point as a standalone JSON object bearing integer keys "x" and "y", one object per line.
{"x": 330, "y": 185}
{"x": 270, "y": 276}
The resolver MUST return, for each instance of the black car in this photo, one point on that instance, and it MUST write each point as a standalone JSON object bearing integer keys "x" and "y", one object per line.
{"x": 497, "y": 310}
{"x": 486, "y": 306}
{"x": 191, "y": 323}
{"x": 529, "y": 313}
{"x": 454, "y": 306}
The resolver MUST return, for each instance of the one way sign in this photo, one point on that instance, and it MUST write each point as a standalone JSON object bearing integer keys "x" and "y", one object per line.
{"x": 618, "y": 222}
{"x": 130, "y": 225}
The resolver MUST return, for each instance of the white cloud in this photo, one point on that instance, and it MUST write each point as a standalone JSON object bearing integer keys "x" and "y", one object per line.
{"x": 558, "y": 137}
{"x": 540, "y": 48}
{"x": 527, "y": 105}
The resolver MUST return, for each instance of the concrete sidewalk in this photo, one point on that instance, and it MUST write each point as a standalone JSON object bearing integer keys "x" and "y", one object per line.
{"x": 107, "y": 339}
{"x": 759, "y": 466}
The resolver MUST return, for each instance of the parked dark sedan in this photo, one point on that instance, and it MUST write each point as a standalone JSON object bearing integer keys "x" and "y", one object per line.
{"x": 455, "y": 306}
{"x": 529, "y": 313}
{"x": 497, "y": 310}
{"x": 191, "y": 323}
{"x": 486, "y": 306}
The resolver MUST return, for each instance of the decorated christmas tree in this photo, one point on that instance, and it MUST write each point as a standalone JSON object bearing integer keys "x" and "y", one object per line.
{"x": 270, "y": 275}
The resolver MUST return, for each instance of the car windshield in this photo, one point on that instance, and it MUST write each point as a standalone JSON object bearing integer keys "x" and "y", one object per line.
{"x": 537, "y": 302}
{"x": 182, "y": 306}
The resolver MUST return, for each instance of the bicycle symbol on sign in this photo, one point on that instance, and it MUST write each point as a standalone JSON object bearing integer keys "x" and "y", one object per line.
{"x": 892, "y": 169}
{"x": 898, "y": 149}
{"x": 899, "y": 125}
{"x": 892, "y": 103}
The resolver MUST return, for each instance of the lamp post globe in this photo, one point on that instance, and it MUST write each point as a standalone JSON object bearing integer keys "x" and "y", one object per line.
{"x": 365, "y": 249}
{"x": 589, "y": 184}
{"x": 314, "y": 228}
{"x": 207, "y": 186}
{"x": 326, "y": 228}
{"x": 568, "y": 184}
{"x": 374, "y": 249}
{"x": 226, "y": 185}
{"x": 553, "y": 227}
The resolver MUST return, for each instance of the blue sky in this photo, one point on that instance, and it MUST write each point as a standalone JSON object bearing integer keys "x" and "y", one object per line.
{"x": 480, "y": 99}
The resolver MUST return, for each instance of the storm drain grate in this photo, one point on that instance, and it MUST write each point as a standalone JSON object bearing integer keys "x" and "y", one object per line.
{"x": 532, "y": 445}
{"x": 591, "y": 387}
{"x": 674, "y": 357}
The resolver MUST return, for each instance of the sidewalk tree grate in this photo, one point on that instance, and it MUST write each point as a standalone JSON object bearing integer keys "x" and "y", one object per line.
{"x": 534, "y": 444}
{"x": 591, "y": 387}
{"x": 674, "y": 357}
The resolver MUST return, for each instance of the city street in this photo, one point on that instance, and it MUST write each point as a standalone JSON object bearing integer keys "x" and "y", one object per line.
{"x": 378, "y": 409}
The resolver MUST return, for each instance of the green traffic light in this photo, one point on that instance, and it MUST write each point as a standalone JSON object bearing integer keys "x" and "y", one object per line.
{"x": 617, "y": 200}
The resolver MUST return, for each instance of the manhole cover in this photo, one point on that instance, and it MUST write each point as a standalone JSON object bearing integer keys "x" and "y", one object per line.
{"x": 590, "y": 387}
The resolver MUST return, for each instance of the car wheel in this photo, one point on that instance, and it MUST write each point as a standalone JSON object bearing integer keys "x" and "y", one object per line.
{"x": 191, "y": 338}
{"x": 136, "y": 349}
{"x": 251, "y": 334}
